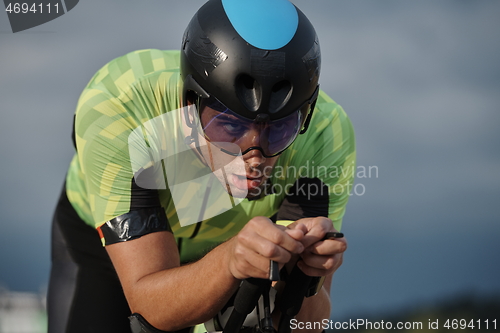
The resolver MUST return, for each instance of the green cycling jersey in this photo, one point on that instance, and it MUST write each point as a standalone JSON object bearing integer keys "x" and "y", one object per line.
{"x": 139, "y": 91}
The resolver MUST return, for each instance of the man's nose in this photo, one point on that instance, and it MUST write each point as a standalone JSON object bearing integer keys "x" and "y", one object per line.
{"x": 252, "y": 137}
{"x": 254, "y": 158}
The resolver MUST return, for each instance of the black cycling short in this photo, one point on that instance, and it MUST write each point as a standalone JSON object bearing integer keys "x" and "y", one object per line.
{"x": 85, "y": 295}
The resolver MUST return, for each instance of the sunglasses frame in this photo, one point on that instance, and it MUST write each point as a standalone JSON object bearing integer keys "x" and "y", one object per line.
{"x": 191, "y": 85}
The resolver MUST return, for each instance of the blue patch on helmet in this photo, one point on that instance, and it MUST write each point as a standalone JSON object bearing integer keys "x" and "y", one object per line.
{"x": 266, "y": 24}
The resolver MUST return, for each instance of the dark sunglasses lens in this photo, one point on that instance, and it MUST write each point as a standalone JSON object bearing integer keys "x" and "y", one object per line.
{"x": 233, "y": 134}
{"x": 282, "y": 133}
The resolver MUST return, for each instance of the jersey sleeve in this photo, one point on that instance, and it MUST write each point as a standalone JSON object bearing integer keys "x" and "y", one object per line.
{"x": 317, "y": 172}
{"x": 119, "y": 99}
{"x": 101, "y": 140}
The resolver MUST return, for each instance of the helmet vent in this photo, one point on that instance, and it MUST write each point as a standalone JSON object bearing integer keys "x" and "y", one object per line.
{"x": 280, "y": 95}
{"x": 249, "y": 92}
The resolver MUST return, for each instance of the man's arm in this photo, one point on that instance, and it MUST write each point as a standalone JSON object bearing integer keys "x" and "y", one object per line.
{"x": 171, "y": 296}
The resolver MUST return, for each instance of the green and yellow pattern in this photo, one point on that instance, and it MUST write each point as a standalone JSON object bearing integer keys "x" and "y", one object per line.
{"x": 142, "y": 85}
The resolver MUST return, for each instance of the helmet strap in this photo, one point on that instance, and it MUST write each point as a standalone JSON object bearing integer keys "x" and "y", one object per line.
{"x": 308, "y": 119}
{"x": 314, "y": 98}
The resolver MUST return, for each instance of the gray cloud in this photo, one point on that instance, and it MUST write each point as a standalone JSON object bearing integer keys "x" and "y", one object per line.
{"x": 419, "y": 80}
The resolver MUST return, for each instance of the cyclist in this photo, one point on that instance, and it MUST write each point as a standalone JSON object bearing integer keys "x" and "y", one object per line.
{"x": 182, "y": 159}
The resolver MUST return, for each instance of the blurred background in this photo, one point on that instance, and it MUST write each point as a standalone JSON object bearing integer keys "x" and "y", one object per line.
{"x": 420, "y": 81}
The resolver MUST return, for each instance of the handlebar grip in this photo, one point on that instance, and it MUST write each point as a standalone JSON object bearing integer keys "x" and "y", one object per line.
{"x": 245, "y": 300}
{"x": 274, "y": 271}
{"x": 296, "y": 288}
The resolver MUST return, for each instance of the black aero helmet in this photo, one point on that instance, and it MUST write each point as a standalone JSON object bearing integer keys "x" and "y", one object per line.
{"x": 257, "y": 57}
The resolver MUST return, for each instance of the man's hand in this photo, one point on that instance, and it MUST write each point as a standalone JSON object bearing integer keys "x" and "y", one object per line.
{"x": 261, "y": 241}
{"x": 319, "y": 258}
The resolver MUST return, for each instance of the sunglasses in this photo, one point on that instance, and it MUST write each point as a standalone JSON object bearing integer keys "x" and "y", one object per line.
{"x": 235, "y": 135}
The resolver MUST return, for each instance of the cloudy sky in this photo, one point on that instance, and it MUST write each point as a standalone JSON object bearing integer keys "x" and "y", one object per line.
{"x": 419, "y": 79}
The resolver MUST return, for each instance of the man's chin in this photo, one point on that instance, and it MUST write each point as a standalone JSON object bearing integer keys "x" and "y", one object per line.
{"x": 255, "y": 193}
{"x": 238, "y": 193}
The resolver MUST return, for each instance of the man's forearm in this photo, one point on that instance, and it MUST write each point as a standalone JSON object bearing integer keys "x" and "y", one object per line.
{"x": 183, "y": 296}
{"x": 170, "y": 297}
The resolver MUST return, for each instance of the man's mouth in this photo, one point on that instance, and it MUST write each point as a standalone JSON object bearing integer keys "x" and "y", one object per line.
{"x": 243, "y": 182}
